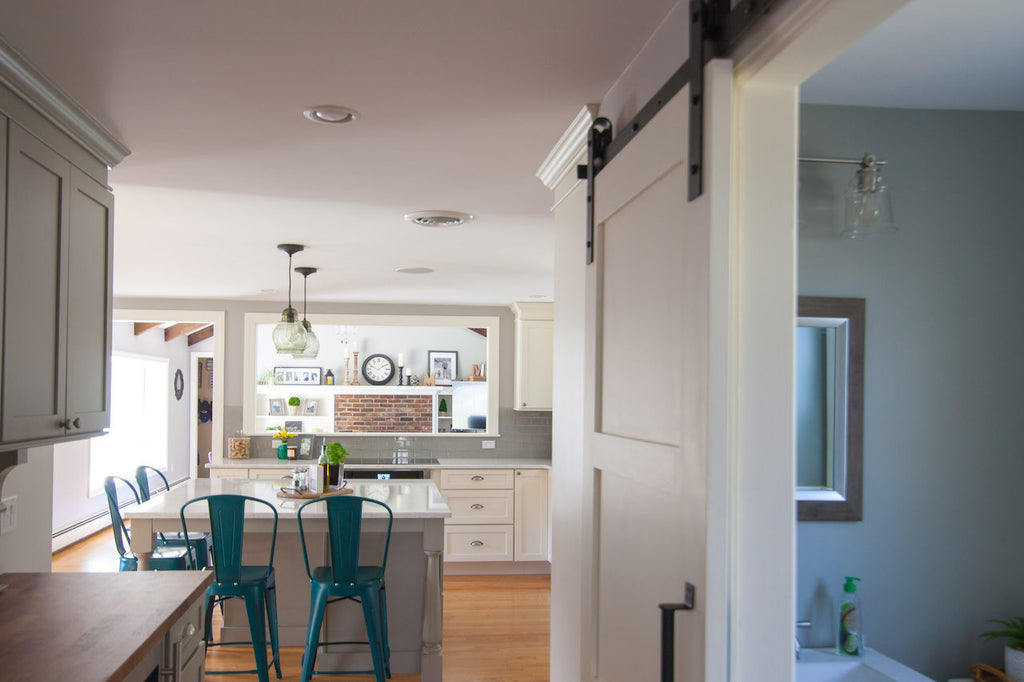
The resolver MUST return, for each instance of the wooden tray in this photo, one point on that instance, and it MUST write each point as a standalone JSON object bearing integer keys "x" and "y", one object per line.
{"x": 289, "y": 493}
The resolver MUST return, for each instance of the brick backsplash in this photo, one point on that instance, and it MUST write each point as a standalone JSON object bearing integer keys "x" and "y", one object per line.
{"x": 384, "y": 413}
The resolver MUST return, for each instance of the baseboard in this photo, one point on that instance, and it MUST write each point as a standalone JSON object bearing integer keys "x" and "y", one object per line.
{"x": 497, "y": 568}
{"x": 69, "y": 536}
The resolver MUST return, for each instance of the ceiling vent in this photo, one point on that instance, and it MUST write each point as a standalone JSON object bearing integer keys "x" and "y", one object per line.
{"x": 438, "y": 218}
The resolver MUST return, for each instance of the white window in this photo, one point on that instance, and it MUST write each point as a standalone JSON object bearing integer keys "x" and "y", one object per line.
{"x": 139, "y": 387}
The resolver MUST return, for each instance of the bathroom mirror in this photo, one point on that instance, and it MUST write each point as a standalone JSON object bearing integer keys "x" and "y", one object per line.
{"x": 830, "y": 408}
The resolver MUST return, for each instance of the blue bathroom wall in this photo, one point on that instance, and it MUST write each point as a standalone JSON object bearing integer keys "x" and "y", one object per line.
{"x": 941, "y": 546}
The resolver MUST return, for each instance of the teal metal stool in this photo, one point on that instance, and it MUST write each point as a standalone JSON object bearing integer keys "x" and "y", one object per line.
{"x": 163, "y": 558}
{"x": 199, "y": 543}
{"x": 345, "y": 579}
{"x": 254, "y": 584}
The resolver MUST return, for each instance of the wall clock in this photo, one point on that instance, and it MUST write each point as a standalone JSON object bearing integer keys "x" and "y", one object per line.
{"x": 378, "y": 369}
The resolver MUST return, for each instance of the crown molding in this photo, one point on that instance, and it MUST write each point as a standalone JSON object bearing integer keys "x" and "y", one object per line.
{"x": 562, "y": 158}
{"x": 30, "y": 84}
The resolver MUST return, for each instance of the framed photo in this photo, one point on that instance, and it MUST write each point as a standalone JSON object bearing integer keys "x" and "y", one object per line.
{"x": 444, "y": 364}
{"x": 305, "y": 447}
{"x": 294, "y": 426}
{"x": 298, "y": 376}
{"x": 309, "y": 406}
{"x": 276, "y": 407}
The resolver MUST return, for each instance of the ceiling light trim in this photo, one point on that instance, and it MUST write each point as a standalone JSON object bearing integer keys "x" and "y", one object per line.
{"x": 438, "y": 219}
{"x": 564, "y": 156}
{"x": 23, "y": 78}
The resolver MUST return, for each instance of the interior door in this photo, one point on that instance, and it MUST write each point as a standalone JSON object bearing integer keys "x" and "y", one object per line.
{"x": 647, "y": 392}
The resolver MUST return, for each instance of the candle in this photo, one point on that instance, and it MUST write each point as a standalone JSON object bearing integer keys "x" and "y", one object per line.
{"x": 346, "y": 353}
{"x": 408, "y": 372}
{"x": 401, "y": 359}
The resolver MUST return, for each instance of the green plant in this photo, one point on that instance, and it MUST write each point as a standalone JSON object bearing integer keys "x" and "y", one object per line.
{"x": 1012, "y": 632}
{"x": 294, "y": 401}
{"x": 335, "y": 454}
{"x": 268, "y": 378}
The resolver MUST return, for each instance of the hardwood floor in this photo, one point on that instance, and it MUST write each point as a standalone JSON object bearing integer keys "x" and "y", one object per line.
{"x": 496, "y": 628}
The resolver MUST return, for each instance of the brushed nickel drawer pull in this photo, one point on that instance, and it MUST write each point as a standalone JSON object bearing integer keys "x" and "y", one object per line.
{"x": 477, "y": 478}
{"x": 477, "y": 506}
{"x": 476, "y": 543}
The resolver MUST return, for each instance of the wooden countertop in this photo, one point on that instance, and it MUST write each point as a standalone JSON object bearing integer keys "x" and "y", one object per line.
{"x": 88, "y": 626}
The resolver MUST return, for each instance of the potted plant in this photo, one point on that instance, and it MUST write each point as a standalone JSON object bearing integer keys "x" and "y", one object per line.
{"x": 282, "y": 437}
{"x": 332, "y": 458}
{"x": 1013, "y": 632}
{"x": 293, "y": 405}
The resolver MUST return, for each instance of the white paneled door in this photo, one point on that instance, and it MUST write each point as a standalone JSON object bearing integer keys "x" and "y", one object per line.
{"x": 647, "y": 392}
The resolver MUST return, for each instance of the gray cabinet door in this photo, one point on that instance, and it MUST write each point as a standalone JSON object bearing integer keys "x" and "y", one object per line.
{"x": 35, "y": 292}
{"x": 89, "y": 304}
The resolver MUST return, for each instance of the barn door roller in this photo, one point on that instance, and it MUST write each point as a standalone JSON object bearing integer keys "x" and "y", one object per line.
{"x": 715, "y": 29}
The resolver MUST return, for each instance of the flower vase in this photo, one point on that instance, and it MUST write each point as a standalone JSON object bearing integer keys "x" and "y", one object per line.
{"x": 282, "y": 450}
{"x": 1014, "y": 662}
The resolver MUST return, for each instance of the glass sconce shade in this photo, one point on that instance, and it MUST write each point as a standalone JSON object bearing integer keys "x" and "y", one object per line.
{"x": 868, "y": 204}
{"x": 289, "y": 335}
{"x": 312, "y": 348}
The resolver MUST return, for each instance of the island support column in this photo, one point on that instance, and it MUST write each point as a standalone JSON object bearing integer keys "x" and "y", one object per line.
{"x": 431, "y": 658}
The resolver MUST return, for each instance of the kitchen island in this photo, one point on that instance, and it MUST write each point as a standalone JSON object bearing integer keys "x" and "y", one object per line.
{"x": 413, "y": 573}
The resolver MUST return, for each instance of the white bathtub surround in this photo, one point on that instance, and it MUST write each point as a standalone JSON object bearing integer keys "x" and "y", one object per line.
{"x": 825, "y": 665}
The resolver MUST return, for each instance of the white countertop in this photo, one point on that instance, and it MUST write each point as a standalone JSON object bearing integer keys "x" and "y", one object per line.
{"x": 410, "y": 499}
{"x": 447, "y": 463}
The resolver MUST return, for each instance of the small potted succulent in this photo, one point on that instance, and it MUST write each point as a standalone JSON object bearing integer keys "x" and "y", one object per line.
{"x": 293, "y": 405}
{"x": 332, "y": 458}
{"x": 1013, "y": 632}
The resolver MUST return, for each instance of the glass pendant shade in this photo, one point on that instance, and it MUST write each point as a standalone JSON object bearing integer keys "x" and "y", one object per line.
{"x": 868, "y": 204}
{"x": 312, "y": 348}
{"x": 289, "y": 335}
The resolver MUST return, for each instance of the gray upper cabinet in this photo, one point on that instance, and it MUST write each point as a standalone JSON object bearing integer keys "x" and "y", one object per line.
{"x": 57, "y": 301}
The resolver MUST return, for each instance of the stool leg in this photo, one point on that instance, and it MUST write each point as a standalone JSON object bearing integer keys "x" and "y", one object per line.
{"x": 271, "y": 601}
{"x": 384, "y": 628}
{"x": 254, "y": 607}
{"x": 371, "y": 614}
{"x": 317, "y": 606}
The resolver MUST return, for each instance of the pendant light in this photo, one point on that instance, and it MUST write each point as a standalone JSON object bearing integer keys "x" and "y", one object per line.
{"x": 289, "y": 335}
{"x": 867, "y": 208}
{"x": 312, "y": 348}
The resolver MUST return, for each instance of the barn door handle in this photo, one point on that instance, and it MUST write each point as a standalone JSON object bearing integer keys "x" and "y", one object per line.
{"x": 668, "y": 633}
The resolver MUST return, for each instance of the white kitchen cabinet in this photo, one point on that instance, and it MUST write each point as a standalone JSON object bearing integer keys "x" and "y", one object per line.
{"x": 534, "y": 362}
{"x": 531, "y": 515}
{"x": 220, "y": 473}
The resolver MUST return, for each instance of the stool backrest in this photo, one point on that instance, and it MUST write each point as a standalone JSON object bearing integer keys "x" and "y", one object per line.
{"x": 121, "y": 540}
{"x": 227, "y": 526}
{"x": 142, "y": 478}
{"x": 344, "y": 531}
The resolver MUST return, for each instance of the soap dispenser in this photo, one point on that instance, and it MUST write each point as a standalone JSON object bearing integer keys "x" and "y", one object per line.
{"x": 850, "y": 642}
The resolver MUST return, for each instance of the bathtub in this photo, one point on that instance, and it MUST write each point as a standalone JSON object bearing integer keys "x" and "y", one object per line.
{"x": 825, "y": 665}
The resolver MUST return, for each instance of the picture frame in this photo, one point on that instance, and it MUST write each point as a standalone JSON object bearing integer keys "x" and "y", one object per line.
{"x": 444, "y": 364}
{"x": 276, "y": 407}
{"x": 310, "y": 407}
{"x": 305, "y": 448}
{"x": 298, "y": 376}
{"x": 295, "y": 426}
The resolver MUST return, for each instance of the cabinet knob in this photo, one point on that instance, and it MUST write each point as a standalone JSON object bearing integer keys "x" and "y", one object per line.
{"x": 476, "y": 543}
{"x": 77, "y": 423}
{"x": 523, "y": 405}
{"x": 66, "y": 424}
{"x": 477, "y": 506}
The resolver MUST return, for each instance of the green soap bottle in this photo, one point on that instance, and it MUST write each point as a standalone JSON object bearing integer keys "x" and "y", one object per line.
{"x": 850, "y": 642}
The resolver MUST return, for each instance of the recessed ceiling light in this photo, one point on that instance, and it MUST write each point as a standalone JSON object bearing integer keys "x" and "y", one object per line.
{"x": 438, "y": 218}
{"x": 415, "y": 271}
{"x": 328, "y": 113}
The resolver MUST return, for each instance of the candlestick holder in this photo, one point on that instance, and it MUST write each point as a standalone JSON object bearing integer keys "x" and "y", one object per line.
{"x": 355, "y": 372}
{"x": 401, "y": 376}
{"x": 348, "y": 381}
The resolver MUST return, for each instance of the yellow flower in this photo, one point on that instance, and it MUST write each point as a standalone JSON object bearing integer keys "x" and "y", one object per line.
{"x": 283, "y": 434}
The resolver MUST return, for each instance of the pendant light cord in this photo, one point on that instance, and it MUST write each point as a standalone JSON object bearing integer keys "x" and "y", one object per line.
{"x": 289, "y": 280}
{"x": 304, "y": 278}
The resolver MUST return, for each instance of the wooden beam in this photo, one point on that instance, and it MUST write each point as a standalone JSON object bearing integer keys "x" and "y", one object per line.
{"x": 201, "y": 335}
{"x": 482, "y": 331}
{"x": 182, "y": 328}
{"x": 143, "y": 327}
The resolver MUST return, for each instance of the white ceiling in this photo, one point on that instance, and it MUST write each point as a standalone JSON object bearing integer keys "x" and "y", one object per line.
{"x": 932, "y": 54}
{"x": 460, "y": 101}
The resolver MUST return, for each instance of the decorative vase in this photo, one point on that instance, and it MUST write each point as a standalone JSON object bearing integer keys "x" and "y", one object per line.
{"x": 293, "y": 410}
{"x": 282, "y": 450}
{"x": 1014, "y": 661}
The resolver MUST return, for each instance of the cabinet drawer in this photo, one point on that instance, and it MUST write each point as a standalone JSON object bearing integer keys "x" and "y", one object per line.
{"x": 473, "y": 479}
{"x": 184, "y": 637}
{"x": 270, "y": 474}
{"x": 218, "y": 474}
{"x": 195, "y": 669}
{"x": 478, "y": 543}
{"x": 480, "y": 506}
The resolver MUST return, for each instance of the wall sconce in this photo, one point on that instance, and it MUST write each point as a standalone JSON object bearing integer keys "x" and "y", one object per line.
{"x": 867, "y": 204}
{"x": 289, "y": 335}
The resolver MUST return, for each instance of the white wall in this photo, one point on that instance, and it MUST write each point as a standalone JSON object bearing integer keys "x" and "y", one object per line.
{"x": 940, "y": 546}
{"x": 27, "y": 549}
